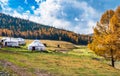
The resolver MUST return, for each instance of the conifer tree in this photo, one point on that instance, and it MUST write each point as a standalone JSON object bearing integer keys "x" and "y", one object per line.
{"x": 106, "y": 39}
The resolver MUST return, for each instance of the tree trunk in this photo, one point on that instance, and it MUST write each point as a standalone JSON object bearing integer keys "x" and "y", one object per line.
{"x": 112, "y": 58}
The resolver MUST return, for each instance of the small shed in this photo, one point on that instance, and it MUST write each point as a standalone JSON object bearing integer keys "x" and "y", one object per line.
{"x": 36, "y": 45}
{"x": 21, "y": 41}
{"x": 11, "y": 42}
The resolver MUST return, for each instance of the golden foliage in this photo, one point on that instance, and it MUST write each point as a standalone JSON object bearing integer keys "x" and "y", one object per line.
{"x": 106, "y": 39}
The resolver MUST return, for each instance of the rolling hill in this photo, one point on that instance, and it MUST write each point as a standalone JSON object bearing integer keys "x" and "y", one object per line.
{"x": 77, "y": 62}
{"x": 16, "y": 27}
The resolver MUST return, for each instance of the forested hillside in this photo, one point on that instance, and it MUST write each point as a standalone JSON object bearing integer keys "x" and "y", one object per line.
{"x": 16, "y": 27}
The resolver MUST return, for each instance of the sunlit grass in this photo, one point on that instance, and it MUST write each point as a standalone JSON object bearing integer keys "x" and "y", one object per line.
{"x": 83, "y": 51}
{"x": 57, "y": 63}
{"x": 77, "y": 62}
{"x": 52, "y": 45}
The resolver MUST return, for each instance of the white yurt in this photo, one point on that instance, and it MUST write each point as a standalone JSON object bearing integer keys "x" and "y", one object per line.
{"x": 4, "y": 38}
{"x": 11, "y": 42}
{"x": 21, "y": 41}
{"x": 36, "y": 45}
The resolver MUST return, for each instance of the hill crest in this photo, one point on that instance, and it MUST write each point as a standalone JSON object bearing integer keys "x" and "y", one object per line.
{"x": 16, "y": 27}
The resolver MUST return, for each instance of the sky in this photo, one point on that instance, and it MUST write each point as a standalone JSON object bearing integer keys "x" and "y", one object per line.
{"x": 79, "y": 16}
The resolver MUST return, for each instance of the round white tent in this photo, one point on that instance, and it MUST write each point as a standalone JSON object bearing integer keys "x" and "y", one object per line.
{"x": 36, "y": 45}
{"x": 4, "y": 38}
{"x": 11, "y": 42}
{"x": 21, "y": 41}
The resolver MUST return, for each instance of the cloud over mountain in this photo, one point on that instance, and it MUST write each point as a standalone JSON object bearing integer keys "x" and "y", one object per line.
{"x": 76, "y": 15}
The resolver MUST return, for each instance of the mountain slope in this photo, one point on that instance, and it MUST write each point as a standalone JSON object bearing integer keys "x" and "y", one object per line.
{"x": 16, "y": 27}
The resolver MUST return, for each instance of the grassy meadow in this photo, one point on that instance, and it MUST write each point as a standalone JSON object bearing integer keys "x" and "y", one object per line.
{"x": 66, "y": 60}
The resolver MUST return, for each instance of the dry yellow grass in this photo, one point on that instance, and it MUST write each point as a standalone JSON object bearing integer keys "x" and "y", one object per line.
{"x": 77, "y": 62}
{"x": 53, "y": 45}
{"x": 58, "y": 64}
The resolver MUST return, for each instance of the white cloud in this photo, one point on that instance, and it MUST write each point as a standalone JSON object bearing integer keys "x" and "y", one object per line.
{"x": 49, "y": 10}
{"x": 88, "y": 16}
{"x": 39, "y": 1}
{"x": 32, "y": 7}
{"x": 76, "y": 19}
{"x": 16, "y": 14}
{"x": 4, "y": 1}
{"x": 23, "y": 15}
{"x": 4, "y": 6}
{"x": 20, "y": 9}
{"x": 87, "y": 21}
{"x": 82, "y": 20}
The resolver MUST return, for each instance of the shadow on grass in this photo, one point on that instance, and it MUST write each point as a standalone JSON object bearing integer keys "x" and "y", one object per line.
{"x": 28, "y": 51}
{"x": 20, "y": 51}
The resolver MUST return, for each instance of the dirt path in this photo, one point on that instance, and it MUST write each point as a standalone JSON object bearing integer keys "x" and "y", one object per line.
{"x": 17, "y": 70}
{"x": 22, "y": 71}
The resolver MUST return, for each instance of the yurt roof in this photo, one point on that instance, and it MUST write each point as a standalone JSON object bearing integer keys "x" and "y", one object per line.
{"x": 20, "y": 39}
{"x": 36, "y": 43}
{"x": 4, "y": 38}
{"x": 11, "y": 40}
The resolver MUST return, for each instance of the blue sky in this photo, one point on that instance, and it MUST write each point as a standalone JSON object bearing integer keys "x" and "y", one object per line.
{"x": 79, "y": 16}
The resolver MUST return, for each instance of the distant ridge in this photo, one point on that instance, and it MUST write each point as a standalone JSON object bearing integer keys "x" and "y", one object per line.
{"x": 16, "y": 27}
{"x": 90, "y": 34}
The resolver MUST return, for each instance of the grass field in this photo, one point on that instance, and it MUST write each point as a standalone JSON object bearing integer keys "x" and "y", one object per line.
{"x": 52, "y": 45}
{"x": 77, "y": 61}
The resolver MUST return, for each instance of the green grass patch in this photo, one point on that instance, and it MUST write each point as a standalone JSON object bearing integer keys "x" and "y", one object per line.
{"x": 78, "y": 62}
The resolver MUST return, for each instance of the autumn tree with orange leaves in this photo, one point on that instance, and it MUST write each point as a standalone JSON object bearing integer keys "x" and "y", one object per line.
{"x": 106, "y": 38}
